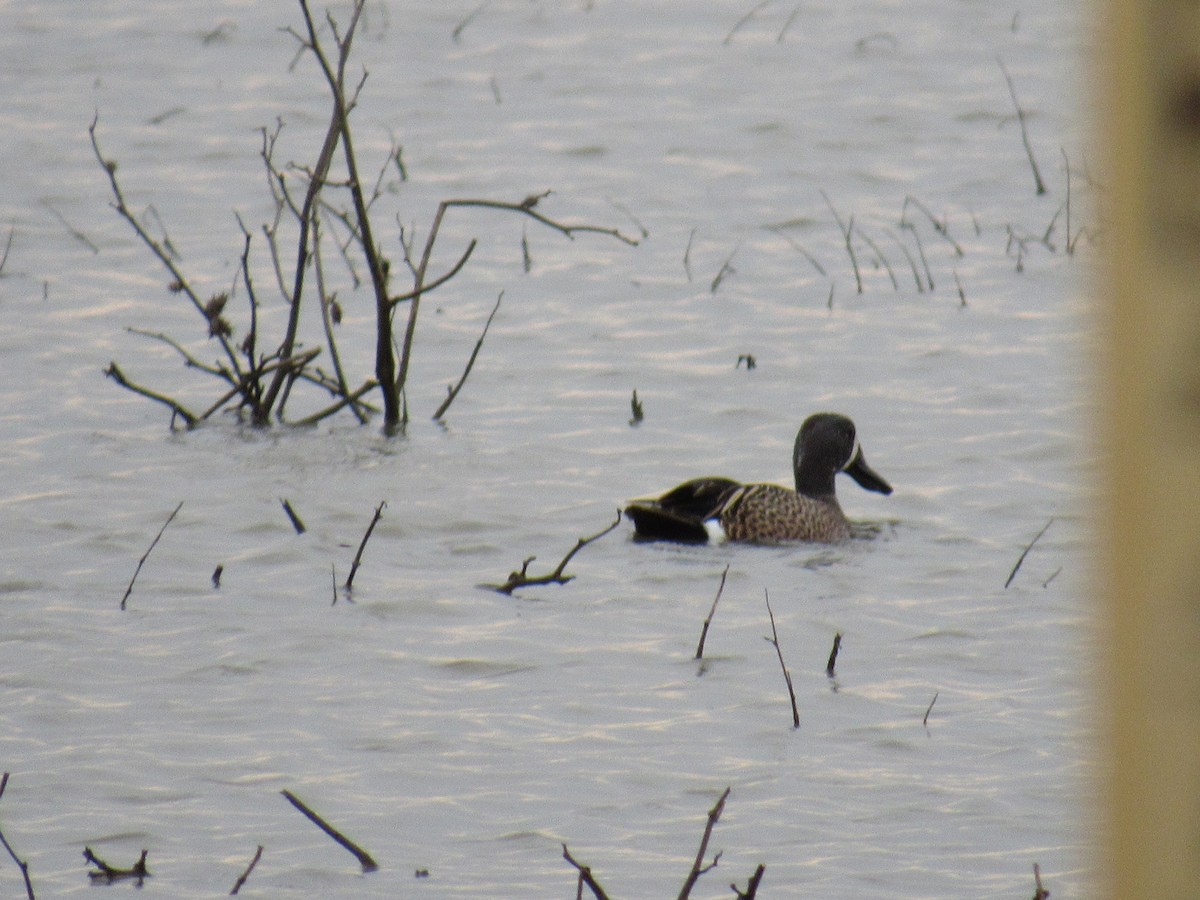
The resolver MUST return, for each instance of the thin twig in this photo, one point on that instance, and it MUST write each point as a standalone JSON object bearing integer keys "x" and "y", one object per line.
{"x": 1025, "y": 552}
{"x": 929, "y": 709}
{"x": 118, "y": 376}
{"x": 698, "y": 867}
{"x": 453, "y": 392}
{"x": 726, "y": 269}
{"x": 21, "y": 864}
{"x": 521, "y": 579}
{"x": 246, "y": 874}
{"x": 109, "y": 873}
{"x": 752, "y": 886}
{"x": 1040, "y": 893}
{"x": 774, "y": 640}
{"x": 363, "y": 857}
{"x": 585, "y": 875}
{"x": 363, "y": 545}
{"x": 833, "y": 654}
{"x": 292, "y": 517}
{"x": 142, "y": 561}
{"x": 712, "y": 612}
{"x": 847, "y": 230}
{"x": 744, "y": 19}
{"x": 1037, "y": 176}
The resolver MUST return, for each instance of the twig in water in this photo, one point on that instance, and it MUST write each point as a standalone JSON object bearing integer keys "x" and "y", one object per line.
{"x": 635, "y": 406}
{"x": 712, "y": 612}
{"x": 939, "y": 225}
{"x": 1037, "y": 176}
{"x": 71, "y": 229}
{"x": 779, "y": 40}
{"x": 726, "y": 269}
{"x": 1039, "y": 893}
{"x": 911, "y": 262}
{"x": 110, "y": 873}
{"x": 520, "y": 579}
{"x": 118, "y": 376}
{"x": 881, "y": 258}
{"x": 246, "y": 874}
{"x": 929, "y": 709}
{"x": 21, "y": 864}
{"x": 142, "y": 561}
{"x": 292, "y": 517}
{"x": 744, "y": 19}
{"x": 920, "y": 252}
{"x": 752, "y": 886}
{"x": 362, "y": 546}
{"x": 363, "y": 857}
{"x": 456, "y": 34}
{"x": 812, "y": 259}
{"x": 698, "y": 867}
{"x": 833, "y": 654}
{"x": 1052, "y": 577}
{"x": 1066, "y": 164}
{"x": 787, "y": 676}
{"x": 748, "y": 359}
{"x": 453, "y": 392}
{"x": 585, "y": 877}
{"x": 847, "y": 230}
{"x": 1025, "y": 552}
{"x": 962, "y": 295}
{"x": 687, "y": 253}
{"x": 7, "y": 246}
{"x": 216, "y": 576}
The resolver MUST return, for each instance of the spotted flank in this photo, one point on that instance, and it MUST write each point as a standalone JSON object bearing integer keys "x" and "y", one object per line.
{"x": 767, "y": 513}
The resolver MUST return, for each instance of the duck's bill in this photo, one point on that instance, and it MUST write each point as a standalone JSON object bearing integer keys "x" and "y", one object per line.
{"x": 866, "y": 476}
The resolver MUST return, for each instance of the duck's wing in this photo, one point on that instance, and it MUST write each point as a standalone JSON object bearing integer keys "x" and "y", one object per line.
{"x": 680, "y": 513}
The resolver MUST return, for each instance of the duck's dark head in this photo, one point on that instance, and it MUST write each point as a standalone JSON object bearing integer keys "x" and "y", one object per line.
{"x": 827, "y": 444}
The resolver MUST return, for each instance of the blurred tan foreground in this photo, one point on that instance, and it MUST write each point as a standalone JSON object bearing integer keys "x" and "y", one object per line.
{"x": 1148, "y": 94}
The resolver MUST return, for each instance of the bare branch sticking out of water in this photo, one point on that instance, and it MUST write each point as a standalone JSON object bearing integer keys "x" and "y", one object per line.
{"x": 962, "y": 295}
{"x": 726, "y": 269}
{"x": 687, "y": 253}
{"x": 1025, "y": 552}
{"x": 787, "y": 676}
{"x": 833, "y": 654}
{"x": 941, "y": 226}
{"x": 712, "y": 612}
{"x": 585, "y": 877}
{"x": 1039, "y": 893}
{"x": 137, "y": 871}
{"x": 812, "y": 259}
{"x": 292, "y": 517}
{"x": 635, "y": 406}
{"x": 786, "y": 25}
{"x": 847, "y": 230}
{"x": 456, "y": 34}
{"x": 142, "y": 561}
{"x": 364, "y": 858}
{"x": 21, "y": 864}
{"x": 744, "y": 19}
{"x": 1037, "y": 176}
{"x": 216, "y": 576}
{"x": 522, "y": 579}
{"x": 929, "y": 709}
{"x": 246, "y": 874}
{"x": 7, "y": 247}
{"x": 114, "y": 372}
{"x": 363, "y": 545}
{"x": 698, "y": 867}
{"x": 453, "y": 392}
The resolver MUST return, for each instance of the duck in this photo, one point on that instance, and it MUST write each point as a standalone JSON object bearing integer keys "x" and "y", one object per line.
{"x": 826, "y": 444}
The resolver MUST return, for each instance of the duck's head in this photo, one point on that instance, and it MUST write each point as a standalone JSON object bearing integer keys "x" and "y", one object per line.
{"x": 827, "y": 444}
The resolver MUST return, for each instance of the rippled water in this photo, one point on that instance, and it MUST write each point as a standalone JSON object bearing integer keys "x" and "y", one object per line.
{"x": 449, "y": 728}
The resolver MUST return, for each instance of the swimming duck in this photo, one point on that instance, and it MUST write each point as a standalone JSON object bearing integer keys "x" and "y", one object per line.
{"x": 767, "y": 513}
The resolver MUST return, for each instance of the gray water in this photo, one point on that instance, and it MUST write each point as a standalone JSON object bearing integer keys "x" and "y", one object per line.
{"x": 449, "y": 728}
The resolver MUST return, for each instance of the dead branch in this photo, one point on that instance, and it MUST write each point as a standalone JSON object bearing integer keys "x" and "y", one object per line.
{"x": 21, "y": 864}
{"x": 726, "y": 269}
{"x": 752, "y": 887}
{"x": 1025, "y": 552}
{"x": 939, "y": 225}
{"x": 110, "y": 874}
{"x": 1039, "y": 893}
{"x": 585, "y": 875}
{"x": 114, "y": 372}
{"x": 363, "y": 545}
{"x": 847, "y": 230}
{"x": 145, "y": 556}
{"x": 237, "y": 886}
{"x": 833, "y": 654}
{"x": 521, "y": 579}
{"x": 787, "y": 676}
{"x": 363, "y": 857}
{"x": 712, "y": 612}
{"x": 744, "y": 19}
{"x": 1037, "y": 176}
{"x": 7, "y": 247}
{"x": 929, "y": 709}
{"x": 292, "y": 517}
{"x": 453, "y": 391}
{"x": 698, "y": 867}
